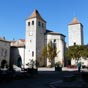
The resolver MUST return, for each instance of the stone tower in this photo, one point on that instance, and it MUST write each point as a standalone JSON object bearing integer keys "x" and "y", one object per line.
{"x": 35, "y": 29}
{"x": 75, "y": 33}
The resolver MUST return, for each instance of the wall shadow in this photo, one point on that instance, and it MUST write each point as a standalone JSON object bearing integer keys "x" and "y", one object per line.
{"x": 15, "y": 57}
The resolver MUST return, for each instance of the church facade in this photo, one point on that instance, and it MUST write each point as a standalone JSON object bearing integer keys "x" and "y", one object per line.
{"x": 36, "y": 37}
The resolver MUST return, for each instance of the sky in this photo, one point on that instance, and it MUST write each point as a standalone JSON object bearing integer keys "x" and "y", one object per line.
{"x": 57, "y": 13}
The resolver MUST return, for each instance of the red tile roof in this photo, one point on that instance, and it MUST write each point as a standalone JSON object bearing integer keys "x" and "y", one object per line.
{"x": 36, "y": 14}
{"x": 20, "y": 42}
{"x": 23, "y": 40}
{"x": 74, "y": 21}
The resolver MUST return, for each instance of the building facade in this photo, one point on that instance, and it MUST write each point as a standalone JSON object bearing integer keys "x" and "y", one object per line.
{"x": 75, "y": 37}
{"x": 75, "y": 33}
{"x": 37, "y": 36}
{"x": 17, "y": 54}
{"x": 4, "y": 52}
{"x": 34, "y": 40}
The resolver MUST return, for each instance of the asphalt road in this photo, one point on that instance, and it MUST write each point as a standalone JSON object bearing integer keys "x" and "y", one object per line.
{"x": 40, "y": 80}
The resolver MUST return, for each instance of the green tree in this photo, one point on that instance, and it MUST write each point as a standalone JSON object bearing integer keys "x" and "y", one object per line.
{"x": 50, "y": 52}
{"x": 44, "y": 52}
{"x": 77, "y": 51}
{"x": 84, "y": 51}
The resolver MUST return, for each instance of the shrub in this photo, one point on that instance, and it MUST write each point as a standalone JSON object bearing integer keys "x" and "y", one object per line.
{"x": 58, "y": 64}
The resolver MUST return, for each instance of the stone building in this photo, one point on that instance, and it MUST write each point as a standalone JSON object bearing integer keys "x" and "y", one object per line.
{"x": 75, "y": 32}
{"x": 17, "y": 53}
{"x": 4, "y": 52}
{"x": 36, "y": 37}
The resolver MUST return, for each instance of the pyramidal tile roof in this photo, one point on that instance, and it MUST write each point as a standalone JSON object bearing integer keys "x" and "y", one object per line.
{"x": 36, "y": 14}
{"x": 75, "y": 21}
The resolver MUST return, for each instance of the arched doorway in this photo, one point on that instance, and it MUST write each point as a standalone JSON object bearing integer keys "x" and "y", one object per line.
{"x": 19, "y": 62}
{"x": 3, "y": 63}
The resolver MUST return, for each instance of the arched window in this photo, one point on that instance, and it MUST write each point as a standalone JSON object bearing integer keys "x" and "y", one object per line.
{"x": 32, "y": 53}
{"x": 32, "y": 22}
{"x": 28, "y": 23}
{"x": 74, "y": 43}
{"x": 39, "y": 24}
{"x": 54, "y": 43}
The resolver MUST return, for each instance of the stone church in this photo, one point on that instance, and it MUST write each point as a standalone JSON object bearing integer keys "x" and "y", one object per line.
{"x": 36, "y": 37}
{"x": 22, "y": 51}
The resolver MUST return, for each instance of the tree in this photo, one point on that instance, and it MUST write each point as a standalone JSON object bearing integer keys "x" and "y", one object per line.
{"x": 77, "y": 51}
{"x": 49, "y": 51}
{"x": 44, "y": 52}
{"x": 84, "y": 51}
